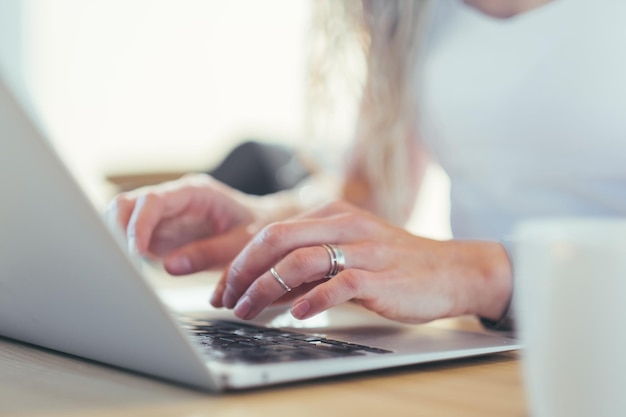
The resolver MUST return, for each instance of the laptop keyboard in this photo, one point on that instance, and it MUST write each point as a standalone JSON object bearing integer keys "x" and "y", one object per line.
{"x": 243, "y": 342}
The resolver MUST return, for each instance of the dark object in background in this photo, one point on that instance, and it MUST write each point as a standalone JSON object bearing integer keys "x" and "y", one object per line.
{"x": 260, "y": 168}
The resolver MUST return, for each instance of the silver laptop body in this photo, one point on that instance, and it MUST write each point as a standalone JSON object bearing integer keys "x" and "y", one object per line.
{"x": 67, "y": 284}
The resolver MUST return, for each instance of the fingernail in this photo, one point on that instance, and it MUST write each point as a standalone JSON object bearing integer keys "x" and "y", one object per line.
{"x": 215, "y": 299}
{"x": 229, "y": 298}
{"x": 178, "y": 265}
{"x": 218, "y": 294}
{"x": 243, "y": 307}
{"x": 300, "y": 309}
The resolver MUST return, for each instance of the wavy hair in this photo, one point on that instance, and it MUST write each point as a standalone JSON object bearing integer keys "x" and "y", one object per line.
{"x": 369, "y": 49}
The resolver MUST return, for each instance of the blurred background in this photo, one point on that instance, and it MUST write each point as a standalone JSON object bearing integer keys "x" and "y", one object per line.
{"x": 135, "y": 87}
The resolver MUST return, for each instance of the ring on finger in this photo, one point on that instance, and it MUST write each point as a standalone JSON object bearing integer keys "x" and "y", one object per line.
{"x": 279, "y": 279}
{"x": 337, "y": 259}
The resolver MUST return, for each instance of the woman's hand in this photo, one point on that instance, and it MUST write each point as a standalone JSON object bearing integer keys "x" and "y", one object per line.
{"x": 387, "y": 270}
{"x": 194, "y": 223}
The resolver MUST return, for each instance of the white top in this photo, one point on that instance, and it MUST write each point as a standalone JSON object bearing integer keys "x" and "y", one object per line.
{"x": 527, "y": 115}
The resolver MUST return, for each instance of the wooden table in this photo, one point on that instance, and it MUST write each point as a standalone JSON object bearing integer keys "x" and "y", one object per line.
{"x": 37, "y": 382}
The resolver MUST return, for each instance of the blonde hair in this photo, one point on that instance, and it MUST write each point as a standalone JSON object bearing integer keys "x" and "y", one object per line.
{"x": 372, "y": 45}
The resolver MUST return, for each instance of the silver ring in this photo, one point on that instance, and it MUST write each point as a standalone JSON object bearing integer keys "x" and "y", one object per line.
{"x": 279, "y": 280}
{"x": 337, "y": 260}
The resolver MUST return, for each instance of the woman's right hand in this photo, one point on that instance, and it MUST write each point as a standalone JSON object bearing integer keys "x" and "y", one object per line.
{"x": 194, "y": 223}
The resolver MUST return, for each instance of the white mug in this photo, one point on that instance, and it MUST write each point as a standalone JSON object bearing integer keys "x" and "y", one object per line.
{"x": 570, "y": 296}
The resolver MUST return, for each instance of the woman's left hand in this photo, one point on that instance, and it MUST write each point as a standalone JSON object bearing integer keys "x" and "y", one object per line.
{"x": 387, "y": 269}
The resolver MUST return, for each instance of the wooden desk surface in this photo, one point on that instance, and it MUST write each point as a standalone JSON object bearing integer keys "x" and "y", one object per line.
{"x": 37, "y": 382}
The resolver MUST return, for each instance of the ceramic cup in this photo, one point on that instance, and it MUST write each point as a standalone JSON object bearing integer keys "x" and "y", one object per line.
{"x": 570, "y": 294}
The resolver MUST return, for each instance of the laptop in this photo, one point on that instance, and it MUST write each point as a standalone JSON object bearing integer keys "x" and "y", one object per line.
{"x": 68, "y": 284}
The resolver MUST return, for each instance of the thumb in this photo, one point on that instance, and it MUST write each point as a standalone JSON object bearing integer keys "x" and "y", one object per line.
{"x": 211, "y": 253}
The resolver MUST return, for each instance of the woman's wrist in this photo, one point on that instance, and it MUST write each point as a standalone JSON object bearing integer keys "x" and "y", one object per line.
{"x": 312, "y": 192}
{"x": 498, "y": 285}
{"x": 487, "y": 279}
{"x": 507, "y": 319}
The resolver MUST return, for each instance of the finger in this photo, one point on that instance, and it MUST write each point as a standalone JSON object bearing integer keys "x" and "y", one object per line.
{"x": 207, "y": 254}
{"x": 118, "y": 212}
{"x": 218, "y": 293}
{"x": 279, "y": 239}
{"x": 345, "y": 286}
{"x": 146, "y": 215}
{"x": 299, "y": 267}
{"x": 153, "y": 208}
